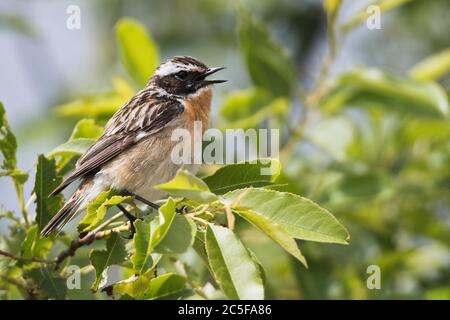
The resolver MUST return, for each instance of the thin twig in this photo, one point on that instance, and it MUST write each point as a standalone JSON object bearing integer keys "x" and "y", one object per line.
{"x": 87, "y": 240}
{"x": 24, "y": 287}
{"x": 230, "y": 218}
{"x": 25, "y": 259}
{"x": 319, "y": 90}
{"x": 321, "y": 84}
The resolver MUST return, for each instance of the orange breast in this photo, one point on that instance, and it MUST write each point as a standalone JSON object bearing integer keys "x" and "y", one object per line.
{"x": 198, "y": 108}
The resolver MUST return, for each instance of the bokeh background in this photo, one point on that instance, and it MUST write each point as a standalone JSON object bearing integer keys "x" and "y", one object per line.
{"x": 379, "y": 162}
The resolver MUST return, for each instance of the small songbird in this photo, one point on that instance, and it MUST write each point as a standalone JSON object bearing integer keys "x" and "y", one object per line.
{"x": 134, "y": 153}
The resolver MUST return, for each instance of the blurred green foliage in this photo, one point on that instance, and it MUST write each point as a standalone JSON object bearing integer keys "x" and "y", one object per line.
{"x": 370, "y": 145}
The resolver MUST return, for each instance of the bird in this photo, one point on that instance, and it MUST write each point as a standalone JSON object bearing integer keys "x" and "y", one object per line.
{"x": 134, "y": 153}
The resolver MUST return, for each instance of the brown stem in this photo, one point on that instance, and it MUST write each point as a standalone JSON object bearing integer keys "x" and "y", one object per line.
{"x": 319, "y": 90}
{"x": 86, "y": 240}
{"x": 25, "y": 259}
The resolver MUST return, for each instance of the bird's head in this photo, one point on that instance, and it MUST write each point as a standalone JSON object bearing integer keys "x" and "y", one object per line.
{"x": 183, "y": 76}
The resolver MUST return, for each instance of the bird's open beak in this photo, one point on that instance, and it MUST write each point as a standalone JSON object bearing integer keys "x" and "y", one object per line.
{"x": 209, "y": 72}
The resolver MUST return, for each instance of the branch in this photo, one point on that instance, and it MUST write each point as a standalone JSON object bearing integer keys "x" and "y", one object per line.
{"x": 319, "y": 90}
{"x": 25, "y": 288}
{"x": 87, "y": 240}
{"x": 25, "y": 259}
{"x": 321, "y": 85}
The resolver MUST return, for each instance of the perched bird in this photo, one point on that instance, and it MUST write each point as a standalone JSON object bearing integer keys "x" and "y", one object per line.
{"x": 134, "y": 153}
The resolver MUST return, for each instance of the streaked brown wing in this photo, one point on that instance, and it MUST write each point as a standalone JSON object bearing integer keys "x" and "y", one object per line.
{"x": 121, "y": 133}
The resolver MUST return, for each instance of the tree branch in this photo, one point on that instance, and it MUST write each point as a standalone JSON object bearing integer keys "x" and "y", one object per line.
{"x": 87, "y": 240}
{"x": 25, "y": 259}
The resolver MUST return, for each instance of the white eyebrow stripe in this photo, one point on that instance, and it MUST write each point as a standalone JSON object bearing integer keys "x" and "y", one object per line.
{"x": 172, "y": 68}
{"x": 168, "y": 68}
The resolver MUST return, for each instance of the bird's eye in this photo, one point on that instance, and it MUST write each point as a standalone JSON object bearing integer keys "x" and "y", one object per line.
{"x": 182, "y": 75}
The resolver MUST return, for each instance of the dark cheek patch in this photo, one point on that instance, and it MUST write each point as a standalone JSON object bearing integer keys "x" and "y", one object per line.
{"x": 174, "y": 86}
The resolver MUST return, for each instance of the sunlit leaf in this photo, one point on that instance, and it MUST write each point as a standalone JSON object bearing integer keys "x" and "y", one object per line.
{"x": 166, "y": 215}
{"x": 98, "y": 106}
{"x": 427, "y": 130}
{"x": 8, "y": 143}
{"x": 8, "y": 149}
{"x": 96, "y": 210}
{"x": 185, "y": 184}
{"x": 179, "y": 237}
{"x": 242, "y": 175}
{"x": 46, "y": 181}
{"x": 275, "y": 108}
{"x": 115, "y": 253}
{"x": 301, "y": 218}
{"x": 363, "y": 15}
{"x": 34, "y": 246}
{"x": 243, "y": 103}
{"x": 372, "y": 88}
{"x": 48, "y": 282}
{"x": 432, "y": 67}
{"x": 166, "y": 286}
{"x": 233, "y": 267}
{"x": 275, "y": 231}
{"x": 122, "y": 87}
{"x": 133, "y": 286}
{"x": 142, "y": 259}
{"x": 72, "y": 147}
{"x": 332, "y": 6}
{"x": 138, "y": 51}
{"x": 267, "y": 62}
{"x": 333, "y": 135}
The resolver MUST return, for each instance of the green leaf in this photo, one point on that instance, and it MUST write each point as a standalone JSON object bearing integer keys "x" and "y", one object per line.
{"x": 115, "y": 253}
{"x": 332, "y": 6}
{"x": 185, "y": 184}
{"x": 267, "y": 62}
{"x": 333, "y": 135}
{"x": 8, "y": 148}
{"x": 300, "y": 217}
{"x": 275, "y": 231}
{"x": 179, "y": 237}
{"x": 243, "y": 103}
{"x": 142, "y": 259}
{"x": 46, "y": 181}
{"x": 138, "y": 51}
{"x": 8, "y": 143}
{"x": 48, "y": 282}
{"x": 262, "y": 272}
{"x": 242, "y": 175}
{"x": 135, "y": 286}
{"x": 86, "y": 128}
{"x": 199, "y": 245}
{"x": 372, "y": 88}
{"x": 165, "y": 218}
{"x": 85, "y": 133}
{"x": 33, "y": 246}
{"x": 96, "y": 210}
{"x": 72, "y": 147}
{"x": 98, "y": 106}
{"x": 427, "y": 130}
{"x": 363, "y": 15}
{"x": 19, "y": 176}
{"x": 166, "y": 286}
{"x": 433, "y": 67}
{"x": 233, "y": 267}
{"x": 275, "y": 108}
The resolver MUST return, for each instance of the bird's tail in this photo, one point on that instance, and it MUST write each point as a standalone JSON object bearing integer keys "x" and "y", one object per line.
{"x": 77, "y": 202}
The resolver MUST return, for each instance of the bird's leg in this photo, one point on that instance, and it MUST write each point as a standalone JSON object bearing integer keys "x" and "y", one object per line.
{"x": 149, "y": 203}
{"x": 129, "y": 217}
{"x": 143, "y": 200}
